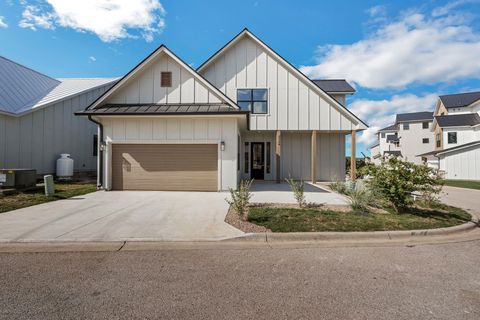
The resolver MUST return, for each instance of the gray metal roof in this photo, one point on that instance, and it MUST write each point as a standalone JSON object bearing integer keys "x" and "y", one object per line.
{"x": 393, "y": 127}
{"x": 334, "y": 85}
{"x": 459, "y": 99}
{"x": 23, "y": 89}
{"x": 414, "y": 116}
{"x": 162, "y": 109}
{"x": 458, "y": 120}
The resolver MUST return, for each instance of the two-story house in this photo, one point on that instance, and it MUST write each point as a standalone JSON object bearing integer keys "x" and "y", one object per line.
{"x": 245, "y": 113}
{"x": 456, "y": 131}
{"x": 406, "y": 138}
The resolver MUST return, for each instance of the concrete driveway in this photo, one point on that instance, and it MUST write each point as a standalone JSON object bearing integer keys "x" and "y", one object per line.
{"x": 125, "y": 215}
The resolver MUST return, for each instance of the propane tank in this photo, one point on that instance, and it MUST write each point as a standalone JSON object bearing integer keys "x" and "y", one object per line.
{"x": 64, "y": 167}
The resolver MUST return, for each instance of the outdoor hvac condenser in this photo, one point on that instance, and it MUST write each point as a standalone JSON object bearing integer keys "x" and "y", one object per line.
{"x": 18, "y": 178}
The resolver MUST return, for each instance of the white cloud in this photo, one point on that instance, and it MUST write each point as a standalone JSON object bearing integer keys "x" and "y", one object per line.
{"x": 109, "y": 20}
{"x": 417, "y": 48}
{"x": 92, "y": 58}
{"x": 381, "y": 113}
{"x": 3, "y": 24}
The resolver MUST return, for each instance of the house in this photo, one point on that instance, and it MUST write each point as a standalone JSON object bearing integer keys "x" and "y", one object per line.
{"x": 244, "y": 113}
{"x": 409, "y": 136}
{"x": 37, "y": 121}
{"x": 456, "y": 130}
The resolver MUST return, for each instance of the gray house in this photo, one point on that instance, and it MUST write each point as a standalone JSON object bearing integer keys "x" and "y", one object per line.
{"x": 37, "y": 120}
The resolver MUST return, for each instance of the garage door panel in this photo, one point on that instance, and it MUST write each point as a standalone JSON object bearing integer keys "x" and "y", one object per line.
{"x": 165, "y": 167}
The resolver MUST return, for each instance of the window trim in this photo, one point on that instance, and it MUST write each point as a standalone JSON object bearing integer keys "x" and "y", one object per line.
{"x": 252, "y": 101}
{"x": 453, "y": 134}
{"x": 166, "y": 85}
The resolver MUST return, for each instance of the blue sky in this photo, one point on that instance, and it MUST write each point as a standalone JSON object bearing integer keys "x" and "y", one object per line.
{"x": 398, "y": 54}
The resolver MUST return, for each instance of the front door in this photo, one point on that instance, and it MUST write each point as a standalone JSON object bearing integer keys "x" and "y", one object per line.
{"x": 258, "y": 160}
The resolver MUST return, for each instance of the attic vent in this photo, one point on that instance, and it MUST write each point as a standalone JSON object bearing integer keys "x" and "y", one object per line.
{"x": 166, "y": 79}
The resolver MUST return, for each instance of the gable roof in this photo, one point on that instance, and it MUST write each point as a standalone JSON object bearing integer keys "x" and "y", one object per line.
{"x": 393, "y": 127}
{"x": 459, "y": 99}
{"x": 162, "y": 49}
{"x": 23, "y": 89}
{"x": 288, "y": 65}
{"x": 414, "y": 116}
{"x": 458, "y": 120}
{"x": 334, "y": 86}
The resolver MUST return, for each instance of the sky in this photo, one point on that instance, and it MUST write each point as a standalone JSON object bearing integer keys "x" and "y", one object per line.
{"x": 399, "y": 55}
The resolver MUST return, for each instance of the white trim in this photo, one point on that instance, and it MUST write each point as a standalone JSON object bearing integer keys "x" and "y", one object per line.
{"x": 285, "y": 64}
{"x": 461, "y": 147}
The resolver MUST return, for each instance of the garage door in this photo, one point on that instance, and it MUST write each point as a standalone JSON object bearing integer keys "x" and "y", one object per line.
{"x": 175, "y": 167}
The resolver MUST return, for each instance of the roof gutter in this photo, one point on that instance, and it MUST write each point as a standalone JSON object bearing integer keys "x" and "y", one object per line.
{"x": 100, "y": 152}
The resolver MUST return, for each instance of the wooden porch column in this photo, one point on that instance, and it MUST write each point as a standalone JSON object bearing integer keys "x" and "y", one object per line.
{"x": 313, "y": 169}
{"x": 353, "y": 158}
{"x": 278, "y": 153}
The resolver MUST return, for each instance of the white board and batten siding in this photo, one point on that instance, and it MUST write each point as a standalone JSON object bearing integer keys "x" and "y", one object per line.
{"x": 293, "y": 102}
{"x": 462, "y": 164}
{"x": 144, "y": 87}
{"x": 36, "y": 139}
{"x": 177, "y": 130}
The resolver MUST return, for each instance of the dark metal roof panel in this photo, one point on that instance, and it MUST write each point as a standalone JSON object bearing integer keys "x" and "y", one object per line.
{"x": 414, "y": 116}
{"x": 458, "y": 120}
{"x": 159, "y": 109}
{"x": 393, "y": 127}
{"x": 459, "y": 99}
{"x": 334, "y": 85}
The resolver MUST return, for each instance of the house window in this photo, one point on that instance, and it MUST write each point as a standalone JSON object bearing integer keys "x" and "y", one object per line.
{"x": 425, "y": 125}
{"x": 166, "y": 79}
{"x": 382, "y": 135}
{"x": 246, "y": 163}
{"x": 439, "y": 143}
{"x": 95, "y": 145}
{"x": 254, "y": 100}
{"x": 406, "y": 126}
{"x": 425, "y": 140}
{"x": 452, "y": 137}
{"x": 267, "y": 157}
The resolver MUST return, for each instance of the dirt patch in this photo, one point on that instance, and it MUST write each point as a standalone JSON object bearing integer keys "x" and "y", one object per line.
{"x": 234, "y": 220}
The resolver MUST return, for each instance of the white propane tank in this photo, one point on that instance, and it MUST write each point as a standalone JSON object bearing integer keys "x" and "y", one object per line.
{"x": 64, "y": 167}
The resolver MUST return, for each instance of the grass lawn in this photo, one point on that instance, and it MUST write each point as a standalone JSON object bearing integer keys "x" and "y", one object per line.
{"x": 463, "y": 184}
{"x": 31, "y": 198}
{"x": 310, "y": 220}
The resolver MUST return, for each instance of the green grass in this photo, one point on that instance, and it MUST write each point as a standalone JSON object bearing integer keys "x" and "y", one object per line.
{"x": 31, "y": 198}
{"x": 463, "y": 184}
{"x": 312, "y": 220}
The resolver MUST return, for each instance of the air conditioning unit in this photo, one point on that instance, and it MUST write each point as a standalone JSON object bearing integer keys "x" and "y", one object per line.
{"x": 18, "y": 178}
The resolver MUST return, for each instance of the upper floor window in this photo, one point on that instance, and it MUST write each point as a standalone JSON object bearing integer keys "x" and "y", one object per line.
{"x": 166, "y": 79}
{"x": 406, "y": 126}
{"x": 425, "y": 140}
{"x": 438, "y": 140}
{"x": 425, "y": 125}
{"x": 254, "y": 100}
{"x": 382, "y": 134}
{"x": 452, "y": 137}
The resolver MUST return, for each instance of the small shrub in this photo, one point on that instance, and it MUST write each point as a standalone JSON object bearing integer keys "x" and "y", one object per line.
{"x": 298, "y": 188}
{"x": 339, "y": 186}
{"x": 240, "y": 198}
{"x": 358, "y": 193}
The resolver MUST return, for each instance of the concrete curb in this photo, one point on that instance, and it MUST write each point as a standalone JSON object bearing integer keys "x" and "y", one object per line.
{"x": 374, "y": 235}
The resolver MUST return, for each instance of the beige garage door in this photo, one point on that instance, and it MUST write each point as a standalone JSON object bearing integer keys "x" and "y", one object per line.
{"x": 175, "y": 167}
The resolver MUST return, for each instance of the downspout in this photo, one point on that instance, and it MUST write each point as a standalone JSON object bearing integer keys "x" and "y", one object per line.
{"x": 100, "y": 152}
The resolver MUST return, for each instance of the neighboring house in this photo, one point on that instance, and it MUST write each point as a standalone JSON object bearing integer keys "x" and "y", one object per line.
{"x": 37, "y": 121}
{"x": 409, "y": 136}
{"x": 457, "y": 136}
{"x": 245, "y": 113}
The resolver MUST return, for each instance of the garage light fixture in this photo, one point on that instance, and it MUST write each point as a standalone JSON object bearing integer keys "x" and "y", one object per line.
{"x": 222, "y": 145}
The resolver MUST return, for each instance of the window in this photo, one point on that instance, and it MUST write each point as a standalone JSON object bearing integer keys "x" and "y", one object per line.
{"x": 166, "y": 79}
{"x": 267, "y": 160}
{"x": 254, "y": 100}
{"x": 95, "y": 145}
{"x": 439, "y": 142}
{"x": 406, "y": 126}
{"x": 425, "y": 125}
{"x": 452, "y": 137}
{"x": 425, "y": 140}
{"x": 382, "y": 134}
{"x": 246, "y": 162}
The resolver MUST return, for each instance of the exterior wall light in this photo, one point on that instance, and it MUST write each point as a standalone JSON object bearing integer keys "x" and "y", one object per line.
{"x": 222, "y": 145}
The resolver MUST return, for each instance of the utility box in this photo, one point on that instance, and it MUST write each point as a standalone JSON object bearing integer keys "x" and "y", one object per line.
{"x": 18, "y": 178}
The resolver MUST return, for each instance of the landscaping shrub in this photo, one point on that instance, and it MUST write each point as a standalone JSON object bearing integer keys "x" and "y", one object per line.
{"x": 298, "y": 188}
{"x": 240, "y": 198}
{"x": 396, "y": 180}
{"x": 359, "y": 194}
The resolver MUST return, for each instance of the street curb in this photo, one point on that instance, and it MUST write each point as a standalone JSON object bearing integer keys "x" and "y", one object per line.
{"x": 373, "y": 235}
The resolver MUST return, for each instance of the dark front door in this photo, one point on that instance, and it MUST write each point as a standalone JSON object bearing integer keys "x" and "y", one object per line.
{"x": 258, "y": 160}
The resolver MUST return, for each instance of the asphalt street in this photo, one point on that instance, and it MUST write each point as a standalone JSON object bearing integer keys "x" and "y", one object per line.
{"x": 440, "y": 281}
